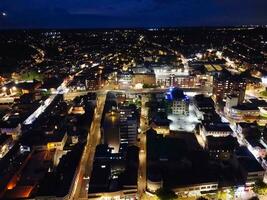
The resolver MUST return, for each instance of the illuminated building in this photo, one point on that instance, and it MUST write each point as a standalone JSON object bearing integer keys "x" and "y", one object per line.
{"x": 244, "y": 111}
{"x": 225, "y": 85}
{"x": 177, "y": 77}
{"x": 264, "y": 81}
{"x": 111, "y": 134}
{"x": 164, "y": 74}
{"x": 125, "y": 80}
{"x": 154, "y": 181}
{"x": 144, "y": 78}
{"x": 164, "y": 154}
{"x": 57, "y": 142}
{"x": 263, "y": 111}
{"x": 231, "y": 100}
{"x": 192, "y": 81}
{"x": 250, "y": 110}
{"x": 161, "y": 126}
{"x": 92, "y": 84}
{"x": 127, "y": 126}
{"x": 165, "y": 70}
{"x": 178, "y": 100}
{"x": 11, "y": 127}
{"x": 78, "y": 110}
{"x": 197, "y": 189}
{"x": 216, "y": 130}
{"x": 5, "y": 145}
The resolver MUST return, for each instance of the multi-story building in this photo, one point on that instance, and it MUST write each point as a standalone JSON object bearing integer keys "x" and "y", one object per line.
{"x": 177, "y": 77}
{"x": 245, "y": 111}
{"x": 127, "y": 126}
{"x": 144, "y": 79}
{"x": 112, "y": 168}
{"x": 202, "y": 105}
{"x": 251, "y": 170}
{"x": 192, "y": 81}
{"x": 178, "y": 100}
{"x": 224, "y": 85}
{"x": 57, "y": 141}
{"x": 249, "y": 111}
{"x": 143, "y": 76}
{"x": 124, "y": 79}
{"x": 165, "y": 73}
{"x": 231, "y": 101}
{"x": 215, "y": 130}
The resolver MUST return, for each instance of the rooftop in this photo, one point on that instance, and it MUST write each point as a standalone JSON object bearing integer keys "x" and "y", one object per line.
{"x": 222, "y": 127}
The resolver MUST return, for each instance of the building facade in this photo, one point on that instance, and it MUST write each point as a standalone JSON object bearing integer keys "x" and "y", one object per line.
{"x": 178, "y": 100}
{"x": 229, "y": 85}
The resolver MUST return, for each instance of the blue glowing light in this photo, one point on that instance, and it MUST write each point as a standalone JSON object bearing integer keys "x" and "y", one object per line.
{"x": 175, "y": 94}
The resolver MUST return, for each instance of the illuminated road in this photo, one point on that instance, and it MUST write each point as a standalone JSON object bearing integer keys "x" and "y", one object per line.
{"x": 60, "y": 90}
{"x": 142, "y": 152}
{"x": 81, "y": 183}
{"x": 93, "y": 139}
{"x": 158, "y": 90}
{"x": 188, "y": 91}
{"x": 39, "y": 111}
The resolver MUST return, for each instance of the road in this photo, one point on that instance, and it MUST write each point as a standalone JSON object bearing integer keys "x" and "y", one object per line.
{"x": 142, "y": 153}
{"x": 39, "y": 110}
{"x": 84, "y": 170}
{"x": 93, "y": 139}
{"x": 188, "y": 91}
{"x": 62, "y": 89}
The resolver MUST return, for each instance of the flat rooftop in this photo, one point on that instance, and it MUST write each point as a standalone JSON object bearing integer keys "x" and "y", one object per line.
{"x": 223, "y": 127}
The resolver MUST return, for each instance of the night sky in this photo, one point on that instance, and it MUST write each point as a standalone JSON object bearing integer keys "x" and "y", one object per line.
{"x": 130, "y": 13}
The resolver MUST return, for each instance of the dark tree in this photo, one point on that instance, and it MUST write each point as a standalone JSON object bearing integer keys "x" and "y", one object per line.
{"x": 254, "y": 198}
{"x": 165, "y": 194}
{"x": 201, "y": 198}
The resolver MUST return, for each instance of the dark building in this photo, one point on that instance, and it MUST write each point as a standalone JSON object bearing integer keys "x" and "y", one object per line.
{"x": 127, "y": 126}
{"x": 221, "y": 147}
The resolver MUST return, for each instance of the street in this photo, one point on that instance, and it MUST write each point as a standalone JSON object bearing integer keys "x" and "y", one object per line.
{"x": 93, "y": 139}
{"x": 142, "y": 151}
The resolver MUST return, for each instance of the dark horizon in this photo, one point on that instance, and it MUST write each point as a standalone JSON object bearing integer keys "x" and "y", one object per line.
{"x": 132, "y": 13}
